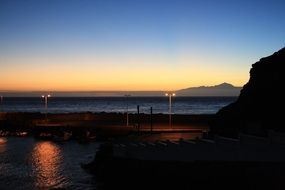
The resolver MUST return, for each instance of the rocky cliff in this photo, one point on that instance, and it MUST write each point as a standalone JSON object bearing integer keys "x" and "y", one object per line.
{"x": 260, "y": 105}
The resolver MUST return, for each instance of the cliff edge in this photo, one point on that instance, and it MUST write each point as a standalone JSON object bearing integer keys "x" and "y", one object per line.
{"x": 260, "y": 105}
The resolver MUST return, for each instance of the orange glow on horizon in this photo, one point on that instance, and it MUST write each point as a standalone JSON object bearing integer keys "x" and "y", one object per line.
{"x": 111, "y": 74}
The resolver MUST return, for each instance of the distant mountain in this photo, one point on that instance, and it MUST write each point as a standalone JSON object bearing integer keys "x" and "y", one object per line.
{"x": 224, "y": 89}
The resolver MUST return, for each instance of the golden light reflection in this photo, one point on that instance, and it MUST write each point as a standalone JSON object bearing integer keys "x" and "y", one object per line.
{"x": 3, "y": 142}
{"x": 46, "y": 158}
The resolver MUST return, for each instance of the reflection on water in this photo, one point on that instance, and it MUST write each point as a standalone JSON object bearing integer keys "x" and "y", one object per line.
{"x": 26, "y": 163}
{"x": 46, "y": 158}
{"x": 2, "y": 149}
{"x": 3, "y": 141}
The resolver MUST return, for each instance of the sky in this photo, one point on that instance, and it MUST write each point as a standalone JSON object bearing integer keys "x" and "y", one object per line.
{"x": 86, "y": 45}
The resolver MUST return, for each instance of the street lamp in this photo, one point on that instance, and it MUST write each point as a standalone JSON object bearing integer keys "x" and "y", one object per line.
{"x": 1, "y": 101}
{"x": 170, "y": 95}
{"x": 127, "y": 95}
{"x": 45, "y": 97}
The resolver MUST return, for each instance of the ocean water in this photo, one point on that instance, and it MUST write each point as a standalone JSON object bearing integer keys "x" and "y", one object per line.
{"x": 26, "y": 163}
{"x": 180, "y": 105}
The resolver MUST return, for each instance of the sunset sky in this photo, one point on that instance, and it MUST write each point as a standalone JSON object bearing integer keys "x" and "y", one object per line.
{"x": 82, "y": 45}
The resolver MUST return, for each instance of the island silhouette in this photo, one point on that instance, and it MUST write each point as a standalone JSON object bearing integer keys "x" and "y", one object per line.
{"x": 223, "y": 89}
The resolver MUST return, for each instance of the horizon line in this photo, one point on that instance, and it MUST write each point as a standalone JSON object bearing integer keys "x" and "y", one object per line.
{"x": 105, "y": 91}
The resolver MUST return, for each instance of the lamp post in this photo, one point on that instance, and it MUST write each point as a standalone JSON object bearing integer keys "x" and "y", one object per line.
{"x": 1, "y": 101}
{"x": 45, "y": 97}
{"x": 170, "y": 95}
{"x": 127, "y": 113}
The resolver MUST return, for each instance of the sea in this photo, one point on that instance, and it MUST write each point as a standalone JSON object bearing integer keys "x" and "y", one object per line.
{"x": 179, "y": 105}
{"x": 28, "y": 163}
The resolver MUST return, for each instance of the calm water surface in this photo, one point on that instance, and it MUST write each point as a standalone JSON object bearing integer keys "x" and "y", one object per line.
{"x": 180, "y": 105}
{"x": 26, "y": 163}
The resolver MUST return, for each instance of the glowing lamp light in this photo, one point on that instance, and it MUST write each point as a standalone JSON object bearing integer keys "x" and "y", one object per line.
{"x": 46, "y": 96}
{"x": 127, "y": 112}
{"x": 46, "y": 99}
{"x": 170, "y": 95}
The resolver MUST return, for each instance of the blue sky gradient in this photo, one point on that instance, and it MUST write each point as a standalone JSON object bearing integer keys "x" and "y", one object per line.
{"x": 234, "y": 34}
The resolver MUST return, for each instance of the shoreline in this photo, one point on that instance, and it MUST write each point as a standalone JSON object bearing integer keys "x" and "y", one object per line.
{"x": 104, "y": 125}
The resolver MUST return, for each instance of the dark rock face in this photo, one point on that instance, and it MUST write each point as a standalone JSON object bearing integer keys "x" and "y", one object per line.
{"x": 260, "y": 105}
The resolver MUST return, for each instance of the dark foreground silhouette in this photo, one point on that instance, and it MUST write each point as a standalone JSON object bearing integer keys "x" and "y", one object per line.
{"x": 260, "y": 104}
{"x": 116, "y": 173}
